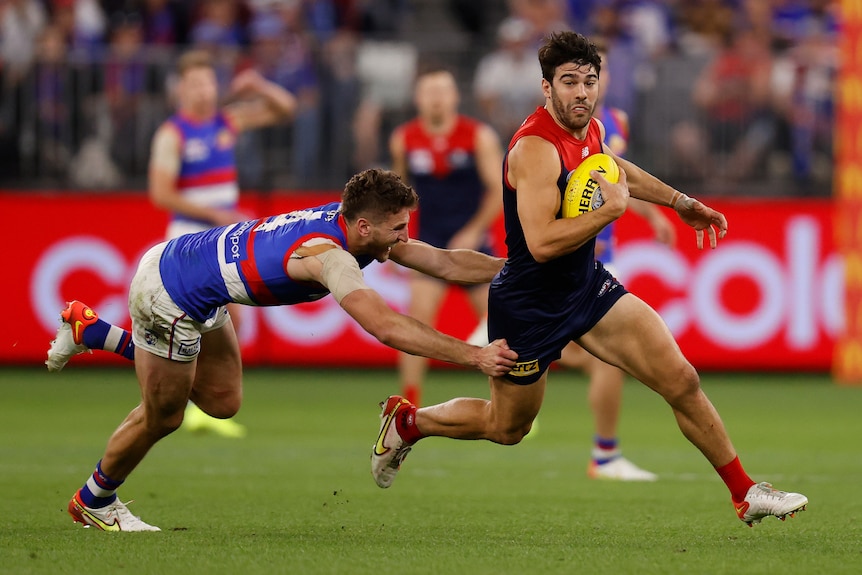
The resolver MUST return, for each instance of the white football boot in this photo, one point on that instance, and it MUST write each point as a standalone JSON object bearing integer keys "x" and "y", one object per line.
{"x": 69, "y": 340}
{"x": 63, "y": 347}
{"x": 113, "y": 517}
{"x": 390, "y": 449}
{"x": 762, "y": 500}
{"x": 619, "y": 469}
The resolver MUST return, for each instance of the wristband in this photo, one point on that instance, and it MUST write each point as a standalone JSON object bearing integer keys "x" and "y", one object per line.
{"x": 677, "y": 196}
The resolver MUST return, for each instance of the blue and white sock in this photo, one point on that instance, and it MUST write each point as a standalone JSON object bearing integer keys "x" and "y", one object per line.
{"x": 103, "y": 335}
{"x": 605, "y": 449}
{"x": 99, "y": 490}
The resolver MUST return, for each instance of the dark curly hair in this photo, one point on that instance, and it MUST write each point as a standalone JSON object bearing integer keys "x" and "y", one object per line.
{"x": 564, "y": 47}
{"x": 376, "y": 194}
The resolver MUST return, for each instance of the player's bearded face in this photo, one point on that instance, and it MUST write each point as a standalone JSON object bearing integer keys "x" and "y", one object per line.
{"x": 573, "y": 95}
{"x": 388, "y": 233}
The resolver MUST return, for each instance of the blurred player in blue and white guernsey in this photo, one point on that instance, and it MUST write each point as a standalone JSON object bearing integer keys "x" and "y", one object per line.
{"x": 193, "y": 172}
{"x": 184, "y": 345}
{"x": 552, "y": 291}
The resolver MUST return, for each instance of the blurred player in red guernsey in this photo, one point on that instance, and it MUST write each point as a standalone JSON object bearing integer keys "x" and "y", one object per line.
{"x": 453, "y": 163}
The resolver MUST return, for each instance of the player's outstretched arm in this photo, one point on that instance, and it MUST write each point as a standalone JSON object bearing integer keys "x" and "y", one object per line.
{"x": 701, "y": 217}
{"x": 456, "y": 266}
{"x": 337, "y": 271}
{"x": 406, "y": 334}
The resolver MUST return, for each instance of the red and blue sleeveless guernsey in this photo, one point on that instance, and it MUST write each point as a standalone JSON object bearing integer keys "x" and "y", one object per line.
{"x": 567, "y": 274}
{"x": 207, "y": 174}
{"x": 443, "y": 172}
{"x": 247, "y": 262}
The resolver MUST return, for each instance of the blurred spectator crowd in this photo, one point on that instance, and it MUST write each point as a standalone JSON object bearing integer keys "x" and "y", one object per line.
{"x": 731, "y": 97}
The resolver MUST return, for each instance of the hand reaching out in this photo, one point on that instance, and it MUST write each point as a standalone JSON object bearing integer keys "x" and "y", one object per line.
{"x": 701, "y": 217}
{"x": 496, "y": 358}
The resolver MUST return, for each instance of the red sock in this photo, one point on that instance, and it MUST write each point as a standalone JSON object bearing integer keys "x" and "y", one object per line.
{"x": 736, "y": 479}
{"x": 405, "y": 424}
{"x": 412, "y": 393}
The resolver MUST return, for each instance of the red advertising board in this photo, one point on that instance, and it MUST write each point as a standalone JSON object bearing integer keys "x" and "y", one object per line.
{"x": 770, "y": 297}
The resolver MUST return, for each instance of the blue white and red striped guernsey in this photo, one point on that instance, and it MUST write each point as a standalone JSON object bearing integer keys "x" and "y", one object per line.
{"x": 207, "y": 175}
{"x": 246, "y": 262}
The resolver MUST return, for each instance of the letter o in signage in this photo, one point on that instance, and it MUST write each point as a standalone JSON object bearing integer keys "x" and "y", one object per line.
{"x": 731, "y": 330}
{"x": 669, "y": 266}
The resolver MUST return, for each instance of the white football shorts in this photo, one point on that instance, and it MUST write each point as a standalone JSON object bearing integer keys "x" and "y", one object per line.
{"x": 159, "y": 326}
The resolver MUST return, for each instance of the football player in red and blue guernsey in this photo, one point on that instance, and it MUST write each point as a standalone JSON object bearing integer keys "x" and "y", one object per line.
{"x": 185, "y": 348}
{"x": 606, "y": 381}
{"x": 552, "y": 291}
{"x": 193, "y": 171}
{"x": 453, "y": 163}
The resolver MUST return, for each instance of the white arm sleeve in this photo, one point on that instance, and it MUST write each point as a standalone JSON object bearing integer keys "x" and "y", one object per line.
{"x": 340, "y": 274}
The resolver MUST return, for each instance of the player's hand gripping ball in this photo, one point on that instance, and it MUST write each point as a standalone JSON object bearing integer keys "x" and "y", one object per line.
{"x": 583, "y": 193}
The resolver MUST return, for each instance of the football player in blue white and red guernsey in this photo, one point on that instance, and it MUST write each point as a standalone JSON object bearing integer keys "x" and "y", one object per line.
{"x": 453, "y": 162}
{"x": 193, "y": 171}
{"x": 184, "y": 347}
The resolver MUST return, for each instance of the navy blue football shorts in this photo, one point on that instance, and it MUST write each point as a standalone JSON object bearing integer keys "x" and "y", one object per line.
{"x": 540, "y": 324}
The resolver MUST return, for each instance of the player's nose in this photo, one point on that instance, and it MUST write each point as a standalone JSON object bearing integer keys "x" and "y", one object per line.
{"x": 581, "y": 91}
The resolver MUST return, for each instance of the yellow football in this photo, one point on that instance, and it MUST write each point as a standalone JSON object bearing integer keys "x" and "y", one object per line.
{"x": 583, "y": 193}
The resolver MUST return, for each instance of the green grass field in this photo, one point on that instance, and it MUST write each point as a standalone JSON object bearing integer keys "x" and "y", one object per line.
{"x": 296, "y": 496}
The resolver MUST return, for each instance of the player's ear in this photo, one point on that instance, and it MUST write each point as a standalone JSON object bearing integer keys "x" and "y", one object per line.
{"x": 363, "y": 226}
{"x": 546, "y": 88}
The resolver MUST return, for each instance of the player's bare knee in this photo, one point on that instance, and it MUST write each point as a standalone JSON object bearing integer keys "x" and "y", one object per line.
{"x": 223, "y": 409}
{"x": 512, "y": 435}
{"x": 221, "y": 405}
{"x": 164, "y": 420}
{"x": 682, "y": 384}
